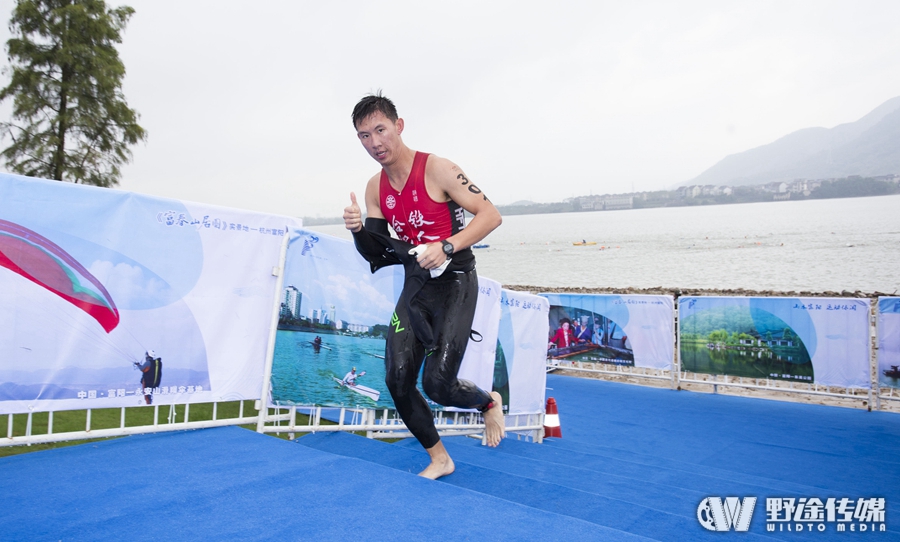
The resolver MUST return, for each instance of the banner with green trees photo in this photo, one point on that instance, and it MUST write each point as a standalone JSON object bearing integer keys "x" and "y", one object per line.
{"x": 811, "y": 340}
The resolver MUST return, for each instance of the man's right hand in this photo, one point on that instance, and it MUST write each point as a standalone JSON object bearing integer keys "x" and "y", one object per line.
{"x": 353, "y": 215}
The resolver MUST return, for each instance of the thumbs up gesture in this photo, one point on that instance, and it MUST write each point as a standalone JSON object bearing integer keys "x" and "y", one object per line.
{"x": 352, "y": 215}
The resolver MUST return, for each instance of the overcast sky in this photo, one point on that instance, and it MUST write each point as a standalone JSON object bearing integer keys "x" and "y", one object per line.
{"x": 247, "y": 104}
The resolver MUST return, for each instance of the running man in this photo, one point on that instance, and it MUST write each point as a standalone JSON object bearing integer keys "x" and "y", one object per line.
{"x": 423, "y": 198}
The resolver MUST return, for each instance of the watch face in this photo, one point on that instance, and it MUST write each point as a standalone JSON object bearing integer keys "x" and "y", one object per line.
{"x": 448, "y": 248}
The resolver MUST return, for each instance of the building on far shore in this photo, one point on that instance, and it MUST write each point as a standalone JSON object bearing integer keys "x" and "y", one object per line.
{"x": 604, "y": 203}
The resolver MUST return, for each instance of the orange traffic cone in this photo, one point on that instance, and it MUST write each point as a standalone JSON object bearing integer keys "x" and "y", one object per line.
{"x": 551, "y": 420}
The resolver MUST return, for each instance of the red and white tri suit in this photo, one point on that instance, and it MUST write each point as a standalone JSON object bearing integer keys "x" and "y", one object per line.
{"x": 413, "y": 215}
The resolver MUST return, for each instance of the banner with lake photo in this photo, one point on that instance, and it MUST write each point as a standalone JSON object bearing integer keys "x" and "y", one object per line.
{"x": 628, "y": 330}
{"x": 889, "y": 342}
{"x": 334, "y": 318}
{"x": 811, "y": 340}
{"x": 334, "y": 323}
{"x": 93, "y": 278}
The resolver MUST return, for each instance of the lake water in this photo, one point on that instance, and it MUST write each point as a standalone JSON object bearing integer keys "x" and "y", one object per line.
{"x": 814, "y": 245}
{"x": 304, "y": 375}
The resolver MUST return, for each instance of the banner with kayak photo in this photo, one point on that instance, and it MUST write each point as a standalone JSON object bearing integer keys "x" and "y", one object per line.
{"x": 334, "y": 321}
{"x": 817, "y": 340}
{"x": 888, "y": 341}
{"x": 110, "y": 298}
{"x": 627, "y": 330}
{"x": 329, "y": 348}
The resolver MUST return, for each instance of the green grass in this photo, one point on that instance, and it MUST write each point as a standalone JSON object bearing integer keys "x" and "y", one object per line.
{"x": 110, "y": 418}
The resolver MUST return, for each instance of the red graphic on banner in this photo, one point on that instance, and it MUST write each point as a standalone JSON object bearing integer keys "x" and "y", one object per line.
{"x": 46, "y": 264}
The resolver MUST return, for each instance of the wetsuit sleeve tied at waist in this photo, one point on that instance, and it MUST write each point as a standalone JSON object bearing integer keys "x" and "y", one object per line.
{"x": 371, "y": 244}
{"x": 382, "y": 250}
{"x": 375, "y": 244}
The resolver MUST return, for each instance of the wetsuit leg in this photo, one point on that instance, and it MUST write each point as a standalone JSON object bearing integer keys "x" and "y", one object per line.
{"x": 452, "y": 301}
{"x": 403, "y": 358}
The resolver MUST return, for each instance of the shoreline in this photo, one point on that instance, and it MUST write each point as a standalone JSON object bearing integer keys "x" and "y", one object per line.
{"x": 678, "y": 292}
{"x": 552, "y": 208}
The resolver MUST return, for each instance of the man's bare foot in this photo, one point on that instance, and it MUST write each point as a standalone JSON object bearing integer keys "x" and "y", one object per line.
{"x": 441, "y": 464}
{"x": 494, "y": 422}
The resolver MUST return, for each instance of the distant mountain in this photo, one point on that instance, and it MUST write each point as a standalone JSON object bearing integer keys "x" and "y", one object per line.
{"x": 867, "y": 147}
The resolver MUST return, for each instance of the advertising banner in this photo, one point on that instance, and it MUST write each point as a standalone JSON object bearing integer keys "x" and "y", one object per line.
{"x": 335, "y": 320}
{"x": 629, "y": 330}
{"x": 520, "y": 374}
{"x": 92, "y": 280}
{"x": 889, "y": 342}
{"x": 333, "y": 323}
{"x": 813, "y": 340}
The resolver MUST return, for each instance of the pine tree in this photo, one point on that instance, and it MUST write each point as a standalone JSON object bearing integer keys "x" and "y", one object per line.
{"x": 70, "y": 121}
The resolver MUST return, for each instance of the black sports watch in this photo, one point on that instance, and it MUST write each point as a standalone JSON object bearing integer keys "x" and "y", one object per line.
{"x": 448, "y": 247}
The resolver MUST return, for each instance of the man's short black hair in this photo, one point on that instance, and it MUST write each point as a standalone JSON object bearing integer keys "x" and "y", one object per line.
{"x": 371, "y": 104}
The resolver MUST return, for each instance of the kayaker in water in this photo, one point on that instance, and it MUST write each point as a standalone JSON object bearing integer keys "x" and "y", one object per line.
{"x": 424, "y": 197}
{"x": 350, "y": 378}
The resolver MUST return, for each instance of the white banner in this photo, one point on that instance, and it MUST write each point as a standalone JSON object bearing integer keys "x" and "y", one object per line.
{"x": 629, "y": 330}
{"x": 92, "y": 278}
{"x": 814, "y": 340}
{"x": 520, "y": 374}
{"x": 478, "y": 363}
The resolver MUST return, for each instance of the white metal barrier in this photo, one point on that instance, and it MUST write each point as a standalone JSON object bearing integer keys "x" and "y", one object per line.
{"x": 169, "y": 423}
{"x": 386, "y": 423}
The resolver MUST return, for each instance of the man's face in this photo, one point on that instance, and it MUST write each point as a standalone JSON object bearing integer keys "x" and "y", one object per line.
{"x": 380, "y": 137}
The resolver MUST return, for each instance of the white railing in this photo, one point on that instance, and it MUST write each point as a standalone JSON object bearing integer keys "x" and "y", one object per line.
{"x": 170, "y": 423}
{"x": 386, "y": 423}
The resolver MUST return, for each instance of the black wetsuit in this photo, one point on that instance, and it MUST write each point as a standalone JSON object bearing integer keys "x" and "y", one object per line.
{"x": 431, "y": 324}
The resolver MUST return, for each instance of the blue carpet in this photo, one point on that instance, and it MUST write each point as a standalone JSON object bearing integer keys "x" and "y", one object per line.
{"x": 641, "y": 459}
{"x": 839, "y": 449}
{"x": 583, "y": 504}
{"x": 633, "y": 464}
{"x": 233, "y": 484}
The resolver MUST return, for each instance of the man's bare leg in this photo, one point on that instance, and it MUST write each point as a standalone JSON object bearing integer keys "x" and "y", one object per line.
{"x": 494, "y": 422}
{"x": 441, "y": 464}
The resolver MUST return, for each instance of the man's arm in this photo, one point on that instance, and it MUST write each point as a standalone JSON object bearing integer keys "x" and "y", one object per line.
{"x": 373, "y": 201}
{"x": 366, "y": 235}
{"x": 353, "y": 214}
{"x": 444, "y": 178}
